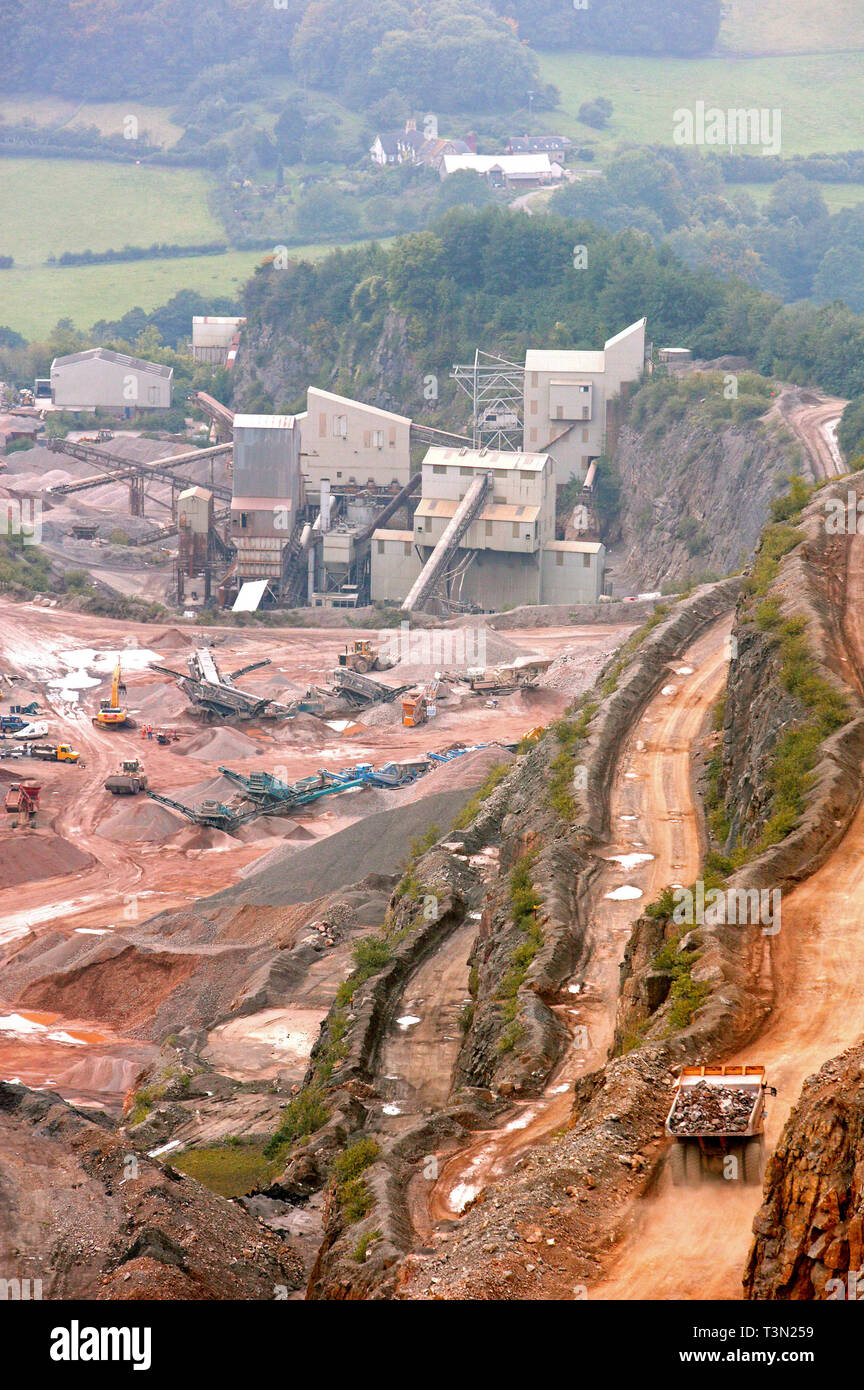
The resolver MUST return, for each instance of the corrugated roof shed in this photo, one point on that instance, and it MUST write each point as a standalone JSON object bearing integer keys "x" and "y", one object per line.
{"x": 139, "y": 364}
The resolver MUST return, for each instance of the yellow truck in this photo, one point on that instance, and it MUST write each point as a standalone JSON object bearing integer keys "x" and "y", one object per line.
{"x": 54, "y": 753}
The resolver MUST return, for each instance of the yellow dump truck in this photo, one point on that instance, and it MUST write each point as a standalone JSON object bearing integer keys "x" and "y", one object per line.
{"x": 716, "y": 1119}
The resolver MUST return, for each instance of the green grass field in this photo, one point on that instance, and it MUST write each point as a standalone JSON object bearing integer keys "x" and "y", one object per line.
{"x": 54, "y": 205}
{"x": 836, "y": 195}
{"x": 31, "y": 301}
{"x": 107, "y": 116}
{"x": 792, "y": 26}
{"x": 645, "y": 92}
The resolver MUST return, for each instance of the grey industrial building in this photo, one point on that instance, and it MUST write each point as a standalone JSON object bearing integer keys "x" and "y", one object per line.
{"x": 267, "y": 494}
{"x": 215, "y": 338}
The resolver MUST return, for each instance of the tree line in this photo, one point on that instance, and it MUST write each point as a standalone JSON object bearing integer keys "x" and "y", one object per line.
{"x": 502, "y": 281}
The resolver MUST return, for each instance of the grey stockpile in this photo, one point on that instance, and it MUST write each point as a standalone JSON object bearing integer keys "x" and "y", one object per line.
{"x": 377, "y": 844}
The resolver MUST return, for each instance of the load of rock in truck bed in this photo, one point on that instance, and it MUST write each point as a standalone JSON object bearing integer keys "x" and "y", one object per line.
{"x": 704, "y": 1109}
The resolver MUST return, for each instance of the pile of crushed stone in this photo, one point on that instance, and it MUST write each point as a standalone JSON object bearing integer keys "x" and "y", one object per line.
{"x": 29, "y": 856}
{"x": 577, "y": 669}
{"x": 216, "y": 745}
{"x": 142, "y": 820}
{"x": 172, "y": 638}
{"x": 455, "y": 649}
{"x": 704, "y": 1109}
{"x": 214, "y": 789}
{"x": 273, "y": 687}
{"x": 470, "y": 770}
{"x": 380, "y": 716}
{"x": 162, "y": 704}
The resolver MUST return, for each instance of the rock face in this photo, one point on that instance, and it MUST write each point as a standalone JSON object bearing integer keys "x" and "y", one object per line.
{"x": 91, "y": 1218}
{"x": 694, "y": 500}
{"x": 810, "y": 1230}
{"x": 377, "y": 366}
{"x": 760, "y": 708}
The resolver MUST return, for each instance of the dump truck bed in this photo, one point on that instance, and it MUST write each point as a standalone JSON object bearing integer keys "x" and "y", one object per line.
{"x": 717, "y": 1102}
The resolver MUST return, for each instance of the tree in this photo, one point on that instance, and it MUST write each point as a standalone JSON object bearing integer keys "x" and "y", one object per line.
{"x": 464, "y": 188}
{"x": 850, "y": 431}
{"x": 289, "y": 132}
{"x": 596, "y": 113}
{"x": 418, "y": 267}
{"x": 328, "y": 212}
{"x": 795, "y": 196}
{"x": 841, "y": 276}
{"x": 619, "y": 26}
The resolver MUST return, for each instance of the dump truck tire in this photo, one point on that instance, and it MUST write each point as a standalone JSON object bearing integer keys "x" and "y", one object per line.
{"x": 692, "y": 1165}
{"x": 752, "y": 1162}
{"x": 676, "y": 1165}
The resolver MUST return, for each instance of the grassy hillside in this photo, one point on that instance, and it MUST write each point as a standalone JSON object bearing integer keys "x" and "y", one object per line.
{"x": 107, "y": 116}
{"x": 55, "y": 205}
{"x": 31, "y": 301}
{"x": 646, "y": 91}
{"x": 792, "y": 26}
{"x": 836, "y": 195}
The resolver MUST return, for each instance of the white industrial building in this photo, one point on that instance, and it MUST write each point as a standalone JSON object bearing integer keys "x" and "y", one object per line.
{"x": 352, "y": 445}
{"x": 569, "y": 399}
{"x": 99, "y": 379}
{"x": 215, "y": 338}
{"x": 505, "y": 170}
{"x": 506, "y": 553}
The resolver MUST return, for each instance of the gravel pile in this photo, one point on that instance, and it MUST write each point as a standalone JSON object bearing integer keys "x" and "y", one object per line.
{"x": 143, "y": 820}
{"x": 217, "y": 745}
{"x": 469, "y": 771}
{"x": 576, "y": 670}
{"x": 704, "y": 1109}
{"x": 163, "y": 704}
{"x": 381, "y": 715}
{"x": 173, "y": 639}
{"x": 451, "y": 651}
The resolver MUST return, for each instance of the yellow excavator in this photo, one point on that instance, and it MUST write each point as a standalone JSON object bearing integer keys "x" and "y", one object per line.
{"x": 112, "y": 715}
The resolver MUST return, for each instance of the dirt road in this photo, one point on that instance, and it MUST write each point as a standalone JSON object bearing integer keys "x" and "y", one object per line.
{"x": 814, "y": 418}
{"x": 656, "y": 841}
{"x": 694, "y": 1244}
{"x": 422, "y": 1046}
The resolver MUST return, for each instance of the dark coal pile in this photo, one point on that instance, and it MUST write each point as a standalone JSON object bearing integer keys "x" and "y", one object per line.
{"x": 704, "y": 1109}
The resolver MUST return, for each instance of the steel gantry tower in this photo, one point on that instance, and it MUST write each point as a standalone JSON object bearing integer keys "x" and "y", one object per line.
{"x": 497, "y": 391}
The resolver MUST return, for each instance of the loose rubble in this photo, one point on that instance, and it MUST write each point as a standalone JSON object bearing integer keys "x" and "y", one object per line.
{"x": 705, "y": 1109}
